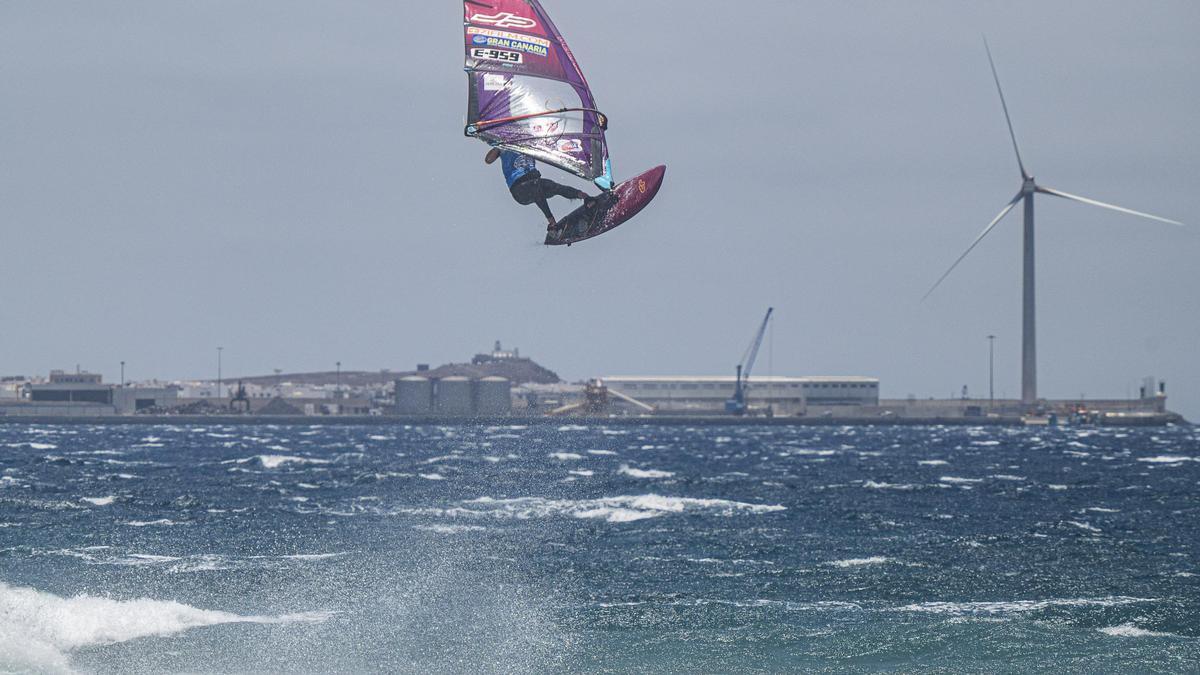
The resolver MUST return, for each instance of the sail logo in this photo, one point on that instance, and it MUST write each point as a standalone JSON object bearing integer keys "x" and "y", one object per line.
{"x": 504, "y": 20}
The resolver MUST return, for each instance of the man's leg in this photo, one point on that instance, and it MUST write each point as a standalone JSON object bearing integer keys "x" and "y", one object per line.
{"x": 529, "y": 191}
{"x": 551, "y": 189}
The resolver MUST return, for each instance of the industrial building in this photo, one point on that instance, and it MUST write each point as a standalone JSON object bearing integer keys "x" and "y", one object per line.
{"x": 454, "y": 396}
{"x": 83, "y": 394}
{"x": 777, "y": 394}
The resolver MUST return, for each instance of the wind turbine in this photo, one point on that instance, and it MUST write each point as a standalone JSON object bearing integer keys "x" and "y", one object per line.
{"x": 1029, "y": 188}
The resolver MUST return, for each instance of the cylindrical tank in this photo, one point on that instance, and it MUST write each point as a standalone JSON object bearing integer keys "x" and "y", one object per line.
{"x": 493, "y": 397}
{"x": 414, "y": 396}
{"x": 453, "y": 397}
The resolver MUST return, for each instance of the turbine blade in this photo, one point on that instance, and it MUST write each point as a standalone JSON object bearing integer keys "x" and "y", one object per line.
{"x": 975, "y": 243}
{"x": 1004, "y": 104}
{"x": 1093, "y": 202}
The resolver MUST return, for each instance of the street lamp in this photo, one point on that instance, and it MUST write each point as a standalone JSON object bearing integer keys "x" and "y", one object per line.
{"x": 991, "y": 371}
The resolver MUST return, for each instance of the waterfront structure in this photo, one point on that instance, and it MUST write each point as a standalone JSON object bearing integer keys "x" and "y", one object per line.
{"x": 454, "y": 396}
{"x": 777, "y": 394}
{"x": 83, "y": 394}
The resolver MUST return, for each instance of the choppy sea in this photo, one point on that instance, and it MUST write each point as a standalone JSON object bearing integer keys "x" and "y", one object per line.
{"x": 598, "y": 548}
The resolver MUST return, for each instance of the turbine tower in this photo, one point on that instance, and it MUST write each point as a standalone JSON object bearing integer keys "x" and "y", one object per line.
{"x": 1029, "y": 188}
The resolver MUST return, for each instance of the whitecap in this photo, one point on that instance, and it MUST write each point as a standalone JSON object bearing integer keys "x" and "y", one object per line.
{"x": 860, "y": 562}
{"x": 621, "y": 509}
{"x": 276, "y": 461}
{"x": 1167, "y": 459}
{"x": 1130, "y": 630}
{"x": 100, "y": 501}
{"x": 161, "y": 522}
{"x": 873, "y": 485}
{"x": 33, "y": 446}
{"x": 1016, "y": 606}
{"x": 433, "y": 476}
{"x": 959, "y": 481}
{"x": 602, "y": 452}
{"x": 450, "y": 529}
{"x": 643, "y": 473}
{"x": 40, "y": 629}
{"x": 1084, "y": 526}
{"x": 565, "y": 456}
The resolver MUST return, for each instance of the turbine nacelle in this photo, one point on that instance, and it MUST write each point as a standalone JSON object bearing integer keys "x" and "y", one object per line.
{"x": 1029, "y": 186}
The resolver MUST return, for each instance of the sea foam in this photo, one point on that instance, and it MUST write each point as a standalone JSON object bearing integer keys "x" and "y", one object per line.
{"x": 39, "y": 630}
{"x": 643, "y": 473}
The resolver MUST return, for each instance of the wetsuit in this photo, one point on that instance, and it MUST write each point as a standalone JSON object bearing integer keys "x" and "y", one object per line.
{"x": 527, "y": 185}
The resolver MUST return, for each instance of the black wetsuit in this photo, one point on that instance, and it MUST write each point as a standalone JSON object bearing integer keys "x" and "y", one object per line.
{"x": 527, "y": 185}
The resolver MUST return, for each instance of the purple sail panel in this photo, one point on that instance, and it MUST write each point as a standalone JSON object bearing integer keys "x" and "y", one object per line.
{"x": 526, "y": 91}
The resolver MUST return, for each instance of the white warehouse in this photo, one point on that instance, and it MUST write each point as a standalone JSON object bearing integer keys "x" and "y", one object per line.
{"x": 782, "y": 395}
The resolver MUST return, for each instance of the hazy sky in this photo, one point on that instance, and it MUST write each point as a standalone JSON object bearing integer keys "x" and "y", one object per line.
{"x": 289, "y": 180}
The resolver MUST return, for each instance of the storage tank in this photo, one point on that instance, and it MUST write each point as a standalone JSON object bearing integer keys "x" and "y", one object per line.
{"x": 493, "y": 397}
{"x": 453, "y": 396}
{"x": 414, "y": 396}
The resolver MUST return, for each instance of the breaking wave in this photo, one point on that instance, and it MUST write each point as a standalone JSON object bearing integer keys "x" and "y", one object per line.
{"x": 40, "y": 630}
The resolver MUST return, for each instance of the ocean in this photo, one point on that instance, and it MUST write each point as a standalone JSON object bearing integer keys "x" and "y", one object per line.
{"x": 598, "y": 547}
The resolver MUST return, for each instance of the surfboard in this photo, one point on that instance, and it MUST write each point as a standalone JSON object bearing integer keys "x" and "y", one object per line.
{"x": 611, "y": 209}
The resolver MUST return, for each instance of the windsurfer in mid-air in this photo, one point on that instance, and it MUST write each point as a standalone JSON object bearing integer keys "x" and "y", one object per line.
{"x": 527, "y": 185}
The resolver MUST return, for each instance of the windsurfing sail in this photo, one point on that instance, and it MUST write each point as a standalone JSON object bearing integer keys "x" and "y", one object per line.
{"x": 526, "y": 91}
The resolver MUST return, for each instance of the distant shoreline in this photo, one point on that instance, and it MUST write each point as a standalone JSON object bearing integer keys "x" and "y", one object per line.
{"x": 707, "y": 421}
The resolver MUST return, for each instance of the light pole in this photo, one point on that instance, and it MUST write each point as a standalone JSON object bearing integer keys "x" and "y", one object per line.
{"x": 219, "y": 350}
{"x": 337, "y": 387}
{"x": 122, "y": 374}
{"x": 991, "y": 371}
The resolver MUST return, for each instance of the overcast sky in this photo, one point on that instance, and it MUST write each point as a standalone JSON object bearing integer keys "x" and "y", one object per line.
{"x": 289, "y": 180}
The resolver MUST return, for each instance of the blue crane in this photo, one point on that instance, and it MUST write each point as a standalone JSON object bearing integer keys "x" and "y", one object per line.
{"x": 737, "y": 404}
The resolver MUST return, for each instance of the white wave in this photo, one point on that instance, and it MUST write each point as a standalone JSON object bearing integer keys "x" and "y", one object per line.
{"x": 860, "y": 562}
{"x": 602, "y": 452}
{"x": 39, "y": 630}
{"x": 450, "y": 529}
{"x": 955, "y": 480}
{"x": 1130, "y": 630}
{"x": 1057, "y": 487}
{"x": 1167, "y": 459}
{"x": 1084, "y": 526}
{"x": 443, "y": 458}
{"x": 313, "y": 556}
{"x": 565, "y": 456}
{"x": 1016, "y": 606}
{"x": 643, "y": 473}
{"x": 100, "y": 501}
{"x": 433, "y": 476}
{"x": 582, "y": 472}
{"x": 276, "y": 461}
{"x": 161, "y": 522}
{"x": 933, "y": 462}
{"x": 621, "y": 509}
{"x": 1100, "y": 509}
{"x": 986, "y": 444}
{"x": 872, "y": 485}
{"x": 33, "y": 446}
{"x": 1005, "y": 476}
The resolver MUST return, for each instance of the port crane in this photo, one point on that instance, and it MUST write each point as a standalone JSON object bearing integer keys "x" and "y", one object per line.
{"x": 737, "y": 404}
